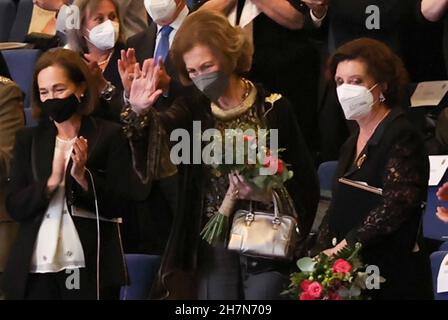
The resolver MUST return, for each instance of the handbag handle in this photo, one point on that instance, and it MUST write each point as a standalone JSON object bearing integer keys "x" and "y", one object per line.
{"x": 250, "y": 216}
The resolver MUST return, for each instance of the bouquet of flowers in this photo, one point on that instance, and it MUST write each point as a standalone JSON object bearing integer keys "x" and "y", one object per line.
{"x": 323, "y": 277}
{"x": 245, "y": 152}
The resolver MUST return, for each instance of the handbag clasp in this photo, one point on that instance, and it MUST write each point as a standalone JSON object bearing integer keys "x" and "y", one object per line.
{"x": 249, "y": 218}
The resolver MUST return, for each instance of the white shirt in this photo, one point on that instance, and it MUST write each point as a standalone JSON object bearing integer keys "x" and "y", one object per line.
{"x": 58, "y": 246}
{"x": 175, "y": 25}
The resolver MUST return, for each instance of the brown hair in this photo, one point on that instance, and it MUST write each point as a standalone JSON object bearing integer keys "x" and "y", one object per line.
{"x": 76, "y": 40}
{"x": 382, "y": 64}
{"x": 76, "y": 70}
{"x": 212, "y": 29}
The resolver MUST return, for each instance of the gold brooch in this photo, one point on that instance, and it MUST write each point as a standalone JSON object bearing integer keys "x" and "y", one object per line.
{"x": 361, "y": 160}
{"x": 273, "y": 97}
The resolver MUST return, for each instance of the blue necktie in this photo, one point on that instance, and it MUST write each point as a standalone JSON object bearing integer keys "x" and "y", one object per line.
{"x": 164, "y": 43}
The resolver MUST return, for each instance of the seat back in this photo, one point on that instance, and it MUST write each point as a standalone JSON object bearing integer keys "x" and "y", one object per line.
{"x": 21, "y": 63}
{"x": 444, "y": 246}
{"x": 142, "y": 270}
{"x": 326, "y": 172}
{"x": 433, "y": 227}
{"x": 436, "y": 261}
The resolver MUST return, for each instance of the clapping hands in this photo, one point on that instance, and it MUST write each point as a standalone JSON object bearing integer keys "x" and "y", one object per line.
{"x": 442, "y": 194}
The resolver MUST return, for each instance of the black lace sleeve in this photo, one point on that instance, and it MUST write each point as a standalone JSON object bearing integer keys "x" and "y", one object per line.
{"x": 323, "y": 240}
{"x": 405, "y": 181}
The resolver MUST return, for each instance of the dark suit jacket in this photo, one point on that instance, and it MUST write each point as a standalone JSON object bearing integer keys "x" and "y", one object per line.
{"x": 27, "y": 200}
{"x": 147, "y": 229}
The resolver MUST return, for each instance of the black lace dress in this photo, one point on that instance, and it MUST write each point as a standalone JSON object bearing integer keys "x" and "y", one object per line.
{"x": 388, "y": 226}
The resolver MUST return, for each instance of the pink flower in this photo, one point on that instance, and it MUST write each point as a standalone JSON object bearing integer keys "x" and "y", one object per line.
{"x": 274, "y": 164}
{"x": 306, "y": 296}
{"x": 315, "y": 290}
{"x": 248, "y": 138}
{"x": 305, "y": 284}
{"x": 334, "y": 296}
{"x": 342, "y": 266}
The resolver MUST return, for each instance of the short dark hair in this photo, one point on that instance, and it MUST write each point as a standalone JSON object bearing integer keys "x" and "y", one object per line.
{"x": 382, "y": 64}
{"x": 77, "y": 71}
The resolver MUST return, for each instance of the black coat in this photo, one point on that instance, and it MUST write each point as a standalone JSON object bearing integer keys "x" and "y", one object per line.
{"x": 388, "y": 226}
{"x": 108, "y": 159}
{"x": 180, "y": 259}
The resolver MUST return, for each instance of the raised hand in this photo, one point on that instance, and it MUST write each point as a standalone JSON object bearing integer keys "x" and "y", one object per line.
{"x": 79, "y": 157}
{"x": 144, "y": 89}
{"x": 96, "y": 71}
{"x": 57, "y": 174}
{"x": 50, "y": 5}
{"x": 126, "y": 67}
{"x": 319, "y": 7}
{"x": 442, "y": 214}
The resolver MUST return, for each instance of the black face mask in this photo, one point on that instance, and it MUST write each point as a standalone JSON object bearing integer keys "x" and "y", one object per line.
{"x": 61, "y": 110}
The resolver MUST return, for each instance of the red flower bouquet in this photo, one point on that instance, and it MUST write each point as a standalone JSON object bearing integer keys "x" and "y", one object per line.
{"x": 337, "y": 277}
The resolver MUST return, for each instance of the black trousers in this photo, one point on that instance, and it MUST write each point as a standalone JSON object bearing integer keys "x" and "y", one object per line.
{"x": 227, "y": 275}
{"x": 67, "y": 285}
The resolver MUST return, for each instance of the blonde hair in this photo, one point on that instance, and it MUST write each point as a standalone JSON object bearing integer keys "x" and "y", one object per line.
{"x": 212, "y": 29}
{"x": 75, "y": 37}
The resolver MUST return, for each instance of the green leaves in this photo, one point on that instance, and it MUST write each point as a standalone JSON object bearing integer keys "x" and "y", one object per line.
{"x": 306, "y": 264}
{"x": 339, "y": 276}
{"x": 216, "y": 228}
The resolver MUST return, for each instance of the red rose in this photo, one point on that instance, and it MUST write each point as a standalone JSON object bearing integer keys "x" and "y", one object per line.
{"x": 248, "y": 138}
{"x": 281, "y": 166}
{"x": 342, "y": 266}
{"x": 334, "y": 296}
{"x": 315, "y": 290}
{"x": 306, "y": 296}
{"x": 305, "y": 284}
{"x": 274, "y": 164}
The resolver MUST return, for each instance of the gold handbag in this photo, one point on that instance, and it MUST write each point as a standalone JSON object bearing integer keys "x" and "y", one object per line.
{"x": 264, "y": 234}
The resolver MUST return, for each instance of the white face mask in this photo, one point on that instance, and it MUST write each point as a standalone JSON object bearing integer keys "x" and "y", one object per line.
{"x": 105, "y": 35}
{"x": 160, "y": 10}
{"x": 356, "y": 101}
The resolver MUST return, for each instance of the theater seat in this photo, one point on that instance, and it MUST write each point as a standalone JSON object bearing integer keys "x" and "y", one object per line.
{"x": 326, "y": 173}
{"x": 21, "y": 64}
{"x": 7, "y": 16}
{"x": 436, "y": 260}
{"x": 444, "y": 246}
{"x": 142, "y": 270}
{"x": 433, "y": 227}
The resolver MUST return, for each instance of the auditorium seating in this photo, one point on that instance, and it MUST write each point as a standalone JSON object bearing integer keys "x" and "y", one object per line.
{"x": 436, "y": 260}
{"x": 142, "y": 270}
{"x": 433, "y": 227}
{"x": 21, "y": 64}
{"x": 326, "y": 174}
